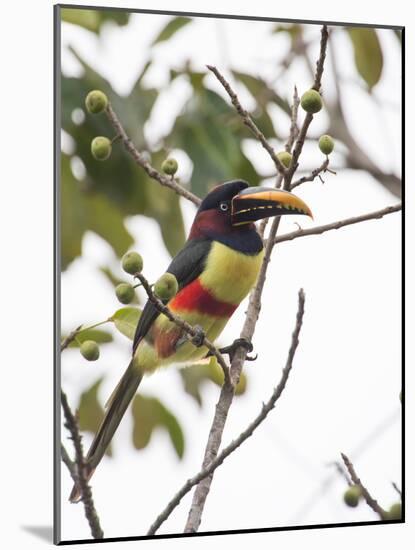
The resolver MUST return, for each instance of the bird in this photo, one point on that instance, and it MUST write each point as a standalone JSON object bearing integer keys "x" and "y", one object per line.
{"x": 215, "y": 270}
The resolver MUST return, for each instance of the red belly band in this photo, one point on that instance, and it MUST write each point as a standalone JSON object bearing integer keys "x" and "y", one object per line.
{"x": 194, "y": 297}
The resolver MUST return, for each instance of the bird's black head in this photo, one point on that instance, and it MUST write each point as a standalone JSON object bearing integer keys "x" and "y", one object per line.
{"x": 220, "y": 198}
{"x": 227, "y": 213}
{"x": 235, "y": 203}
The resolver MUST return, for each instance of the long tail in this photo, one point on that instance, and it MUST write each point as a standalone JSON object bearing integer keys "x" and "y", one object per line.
{"x": 116, "y": 407}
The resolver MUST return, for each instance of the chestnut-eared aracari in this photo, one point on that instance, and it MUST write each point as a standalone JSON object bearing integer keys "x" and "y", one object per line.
{"x": 215, "y": 270}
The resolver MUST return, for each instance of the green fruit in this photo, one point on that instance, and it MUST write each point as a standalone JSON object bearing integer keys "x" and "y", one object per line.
{"x": 132, "y": 263}
{"x": 285, "y": 158}
{"x": 166, "y": 287}
{"x": 125, "y": 293}
{"x": 170, "y": 166}
{"x": 352, "y": 495}
{"x": 311, "y": 101}
{"x": 96, "y": 102}
{"x": 90, "y": 350}
{"x": 395, "y": 511}
{"x": 326, "y": 144}
{"x": 101, "y": 148}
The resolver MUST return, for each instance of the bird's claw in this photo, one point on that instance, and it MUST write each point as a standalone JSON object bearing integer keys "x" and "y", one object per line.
{"x": 239, "y": 342}
{"x": 199, "y": 336}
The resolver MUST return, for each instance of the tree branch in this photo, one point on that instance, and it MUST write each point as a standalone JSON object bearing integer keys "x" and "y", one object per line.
{"x": 186, "y": 327}
{"x": 266, "y": 408}
{"x": 141, "y": 161}
{"x": 69, "y": 463}
{"x": 247, "y": 120}
{"x": 248, "y": 329}
{"x": 227, "y": 392}
{"x": 90, "y": 512}
{"x": 370, "y": 501}
{"x": 337, "y": 225}
{"x": 311, "y": 177}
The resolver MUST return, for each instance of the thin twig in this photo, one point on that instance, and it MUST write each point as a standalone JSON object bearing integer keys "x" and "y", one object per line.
{"x": 370, "y": 501}
{"x": 309, "y": 116}
{"x": 328, "y": 480}
{"x": 72, "y": 335}
{"x": 266, "y": 408}
{"x": 311, "y": 177}
{"x": 247, "y": 120}
{"x": 397, "y": 489}
{"x": 340, "y": 469}
{"x": 70, "y": 338}
{"x": 90, "y": 512}
{"x": 139, "y": 158}
{"x": 186, "y": 327}
{"x": 227, "y": 392}
{"x": 294, "y": 126}
{"x": 338, "y": 224}
{"x": 288, "y": 146}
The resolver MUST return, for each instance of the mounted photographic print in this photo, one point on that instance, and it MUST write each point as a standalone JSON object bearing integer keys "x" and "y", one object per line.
{"x": 228, "y": 274}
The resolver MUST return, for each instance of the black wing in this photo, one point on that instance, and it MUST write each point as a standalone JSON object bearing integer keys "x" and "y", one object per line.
{"x": 186, "y": 266}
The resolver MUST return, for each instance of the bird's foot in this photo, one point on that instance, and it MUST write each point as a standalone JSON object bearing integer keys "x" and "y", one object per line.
{"x": 238, "y": 343}
{"x": 198, "y": 338}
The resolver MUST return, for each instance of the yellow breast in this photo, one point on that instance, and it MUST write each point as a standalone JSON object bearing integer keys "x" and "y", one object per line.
{"x": 229, "y": 275}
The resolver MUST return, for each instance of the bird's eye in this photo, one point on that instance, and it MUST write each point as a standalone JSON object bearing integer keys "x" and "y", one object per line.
{"x": 224, "y": 206}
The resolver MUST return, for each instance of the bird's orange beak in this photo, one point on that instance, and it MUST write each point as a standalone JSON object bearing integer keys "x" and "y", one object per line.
{"x": 255, "y": 203}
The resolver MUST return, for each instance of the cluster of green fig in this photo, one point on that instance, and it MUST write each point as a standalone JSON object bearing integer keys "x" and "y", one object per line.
{"x": 101, "y": 147}
{"x": 312, "y": 103}
{"x": 96, "y": 102}
{"x": 353, "y": 495}
{"x": 132, "y": 263}
{"x": 165, "y": 288}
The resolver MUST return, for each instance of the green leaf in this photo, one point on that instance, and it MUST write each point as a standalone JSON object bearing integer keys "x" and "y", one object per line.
{"x": 73, "y": 215}
{"x": 171, "y": 28}
{"x": 99, "y": 336}
{"x": 91, "y": 412}
{"x": 294, "y": 30}
{"x": 89, "y": 19}
{"x": 210, "y": 132}
{"x": 92, "y": 20}
{"x": 263, "y": 94}
{"x": 107, "y": 221}
{"x": 124, "y": 184}
{"x": 164, "y": 207}
{"x": 194, "y": 376}
{"x": 83, "y": 209}
{"x": 367, "y": 54}
{"x": 125, "y": 320}
{"x": 149, "y": 413}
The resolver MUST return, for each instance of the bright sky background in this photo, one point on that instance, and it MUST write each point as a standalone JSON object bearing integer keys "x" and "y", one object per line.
{"x": 346, "y": 377}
